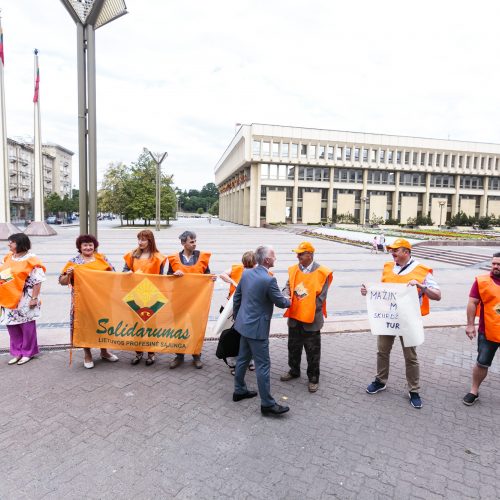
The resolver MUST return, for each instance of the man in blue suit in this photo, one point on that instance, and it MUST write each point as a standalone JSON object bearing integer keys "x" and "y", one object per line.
{"x": 254, "y": 299}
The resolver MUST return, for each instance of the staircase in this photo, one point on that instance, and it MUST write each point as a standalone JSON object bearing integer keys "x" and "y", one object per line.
{"x": 450, "y": 256}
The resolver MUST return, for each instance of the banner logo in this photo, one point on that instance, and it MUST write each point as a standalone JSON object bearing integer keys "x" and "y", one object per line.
{"x": 6, "y": 276}
{"x": 145, "y": 300}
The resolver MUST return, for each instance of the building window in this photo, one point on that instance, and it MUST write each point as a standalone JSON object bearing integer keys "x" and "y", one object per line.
{"x": 295, "y": 150}
{"x": 430, "y": 157}
{"x": 489, "y": 163}
{"x": 407, "y": 158}
{"x": 375, "y": 177}
{"x": 324, "y": 195}
{"x": 264, "y": 171}
{"x": 303, "y": 150}
{"x": 422, "y": 159}
{"x": 321, "y": 152}
{"x": 256, "y": 148}
{"x": 390, "y": 156}
{"x": 471, "y": 182}
{"x": 494, "y": 183}
{"x": 284, "y": 150}
{"x": 348, "y": 175}
{"x": 263, "y": 192}
{"x": 273, "y": 171}
{"x": 453, "y": 160}
{"x": 266, "y": 148}
{"x": 482, "y": 161}
{"x": 467, "y": 162}
{"x": 289, "y": 193}
{"x": 365, "y": 155}
{"x": 438, "y": 159}
{"x": 460, "y": 161}
{"x": 291, "y": 173}
{"x": 382, "y": 156}
{"x": 339, "y": 153}
{"x": 398, "y": 157}
{"x": 309, "y": 173}
{"x": 475, "y": 161}
{"x": 263, "y": 212}
{"x": 312, "y": 152}
{"x": 445, "y": 160}
{"x": 348, "y": 154}
{"x": 276, "y": 149}
{"x": 414, "y": 159}
{"x": 373, "y": 157}
{"x": 356, "y": 154}
{"x": 442, "y": 181}
{"x": 330, "y": 152}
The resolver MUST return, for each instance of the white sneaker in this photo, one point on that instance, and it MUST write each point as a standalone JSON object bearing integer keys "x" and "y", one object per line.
{"x": 23, "y": 360}
{"x": 88, "y": 364}
{"x": 14, "y": 361}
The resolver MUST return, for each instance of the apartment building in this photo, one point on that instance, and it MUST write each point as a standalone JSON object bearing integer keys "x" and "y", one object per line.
{"x": 273, "y": 173}
{"x": 57, "y": 165}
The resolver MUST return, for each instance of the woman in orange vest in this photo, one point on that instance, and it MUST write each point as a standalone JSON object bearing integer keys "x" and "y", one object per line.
{"x": 87, "y": 256}
{"x": 147, "y": 259}
{"x": 233, "y": 277}
{"x": 21, "y": 277}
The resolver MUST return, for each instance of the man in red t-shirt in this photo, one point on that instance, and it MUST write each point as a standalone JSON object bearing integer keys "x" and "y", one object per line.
{"x": 486, "y": 292}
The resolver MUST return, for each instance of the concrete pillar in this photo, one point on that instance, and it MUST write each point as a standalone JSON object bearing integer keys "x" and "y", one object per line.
{"x": 254, "y": 203}
{"x": 455, "y": 198}
{"x": 295, "y": 194}
{"x": 483, "y": 202}
{"x": 427, "y": 195}
{"x": 246, "y": 206}
{"x": 329, "y": 202}
{"x": 395, "y": 195}
{"x": 240, "y": 205}
{"x": 364, "y": 194}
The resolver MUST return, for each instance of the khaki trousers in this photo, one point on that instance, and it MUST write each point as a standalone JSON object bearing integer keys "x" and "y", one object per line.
{"x": 384, "y": 344}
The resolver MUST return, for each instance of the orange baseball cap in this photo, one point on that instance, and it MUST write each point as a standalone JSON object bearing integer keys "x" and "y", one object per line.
{"x": 400, "y": 243}
{"x": 305, "y": 246}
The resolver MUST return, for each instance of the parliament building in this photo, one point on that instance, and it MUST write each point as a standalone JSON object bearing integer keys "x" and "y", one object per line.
{"x": 278, "y": 174}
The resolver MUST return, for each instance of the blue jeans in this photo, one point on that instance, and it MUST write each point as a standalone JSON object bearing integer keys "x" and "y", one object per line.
{"x": 259, "y": 351}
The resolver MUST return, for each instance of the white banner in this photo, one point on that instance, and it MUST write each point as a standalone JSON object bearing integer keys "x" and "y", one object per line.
{"x": 394, "y": 309}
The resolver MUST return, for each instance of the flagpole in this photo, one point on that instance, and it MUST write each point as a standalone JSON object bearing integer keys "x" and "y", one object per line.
{"x": 6, "y": 228}
{"x": 38, "y": 227}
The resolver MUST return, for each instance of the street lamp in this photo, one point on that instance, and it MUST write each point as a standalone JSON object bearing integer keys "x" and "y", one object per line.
{"x": 441, "y": 205}
{"x": 88, "y": 16}
{"x": 158, "y": 159}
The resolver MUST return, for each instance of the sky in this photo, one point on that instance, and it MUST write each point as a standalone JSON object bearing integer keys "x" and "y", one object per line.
{"x": 177, "y": 76}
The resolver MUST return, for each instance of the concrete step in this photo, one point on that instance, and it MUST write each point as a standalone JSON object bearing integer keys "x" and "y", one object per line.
{"x": 449, "y": 256}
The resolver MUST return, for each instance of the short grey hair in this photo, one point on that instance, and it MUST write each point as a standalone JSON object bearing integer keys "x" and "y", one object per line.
{"x": 187, "y": 234}
{"x": 261, "y": 253}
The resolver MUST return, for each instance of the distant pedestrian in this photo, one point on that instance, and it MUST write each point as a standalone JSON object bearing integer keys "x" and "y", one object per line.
{"x": 485, "y": 292}
{"x": 21, "y": 277}
{"x": 254, "y": 299}
{"x": 374, "y": 245}
{"x": 146, "y": 258}
{"x": 382, "y": 243}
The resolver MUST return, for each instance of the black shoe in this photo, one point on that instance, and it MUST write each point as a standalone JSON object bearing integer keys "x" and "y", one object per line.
{"x": 137, "y": 359}
{"x": 276, "y": 409}
{"x": 245, "y": 395}
{"x": 470, "y": 399}
{"x": 150, "y": 360}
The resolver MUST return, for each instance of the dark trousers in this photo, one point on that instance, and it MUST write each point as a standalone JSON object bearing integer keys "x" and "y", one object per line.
{"x": 298, "y": 338}
{"x": 259, "y": 351}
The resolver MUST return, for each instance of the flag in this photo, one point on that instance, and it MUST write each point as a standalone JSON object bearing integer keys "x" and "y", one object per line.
{"x": 1, "y": 45}
{"x": 37, "y": 82}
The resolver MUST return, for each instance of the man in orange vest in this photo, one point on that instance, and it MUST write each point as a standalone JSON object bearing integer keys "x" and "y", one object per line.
{"x": 189, "y": 260}
{"x": 486, "y": 292}
{"x": 404, "y": 269}
{"x": 307, "y": 286}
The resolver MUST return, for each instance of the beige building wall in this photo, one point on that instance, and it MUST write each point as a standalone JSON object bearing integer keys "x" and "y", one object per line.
{"x": 345, "y": 204}
{"x": 494, "y": 208}
{"x": 276, "y": 206}
{"x": 436, "y": 210}
{"x": 378, "y": 205}
{"x": 468, "y": 207}
{"x": 311, "y": 208}
{"x": 409, "y": 208}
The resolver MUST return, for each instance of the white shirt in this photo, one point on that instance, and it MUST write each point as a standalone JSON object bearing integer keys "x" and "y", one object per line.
{"x": 429, "y": 280}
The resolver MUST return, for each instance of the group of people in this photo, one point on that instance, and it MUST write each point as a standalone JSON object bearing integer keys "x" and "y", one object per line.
{"x": 255, "y": 292}
{"x": 379, "y": 243}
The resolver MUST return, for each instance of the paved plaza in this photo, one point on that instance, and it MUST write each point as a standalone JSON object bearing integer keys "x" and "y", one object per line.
{"x": 119, "y": 431}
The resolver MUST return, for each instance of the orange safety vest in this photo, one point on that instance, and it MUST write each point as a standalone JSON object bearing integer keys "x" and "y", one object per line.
{"x": 304, "y": 288}
{"x": 99, "y": 264}
{"x": 147, "y": 266}
{"x": 489, "y": 292}
{"x": 419, "y": 273}
{"x": 198, "y": 268}
{"x": 236, "y": 274}
{"x": 13, "y": 276}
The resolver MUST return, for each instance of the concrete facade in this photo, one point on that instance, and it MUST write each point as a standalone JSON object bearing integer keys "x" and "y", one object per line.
{"x": 326, "y": 173}
{"x": 57, "y": 167}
